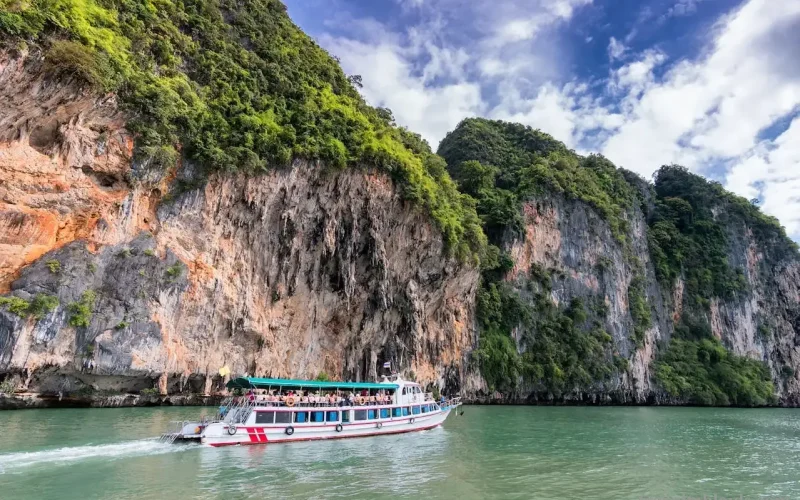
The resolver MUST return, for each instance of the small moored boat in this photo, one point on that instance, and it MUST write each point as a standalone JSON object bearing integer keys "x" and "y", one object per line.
{"x": 267, "y": 410}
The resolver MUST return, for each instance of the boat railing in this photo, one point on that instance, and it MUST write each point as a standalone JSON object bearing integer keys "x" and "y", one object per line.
{"x": 237, "y": 410}
{"x": 451, "y": 403}
{"x": 308, "y": 402}
{"x": 236, "y": 404}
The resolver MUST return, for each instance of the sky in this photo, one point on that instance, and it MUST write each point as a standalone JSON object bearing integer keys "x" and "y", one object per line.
{"x": 713, "y": 85}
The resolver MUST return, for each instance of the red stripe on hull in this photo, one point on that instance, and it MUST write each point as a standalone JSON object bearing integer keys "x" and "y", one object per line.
{"x": 402, "y": 431}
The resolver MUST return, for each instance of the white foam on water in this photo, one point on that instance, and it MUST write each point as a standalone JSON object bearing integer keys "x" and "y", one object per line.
{"x": 141, "y": 447}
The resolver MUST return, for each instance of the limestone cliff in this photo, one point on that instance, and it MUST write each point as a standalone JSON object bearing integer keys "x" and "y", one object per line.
{"x": 606, "y": 288}
{"x": 584, "y": 260}
{"x": 292, "y": 273}
{"x": 119, "y": 273}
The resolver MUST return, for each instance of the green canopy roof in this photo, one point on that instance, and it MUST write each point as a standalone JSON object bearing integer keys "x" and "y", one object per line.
{"x": 263, "y": 383}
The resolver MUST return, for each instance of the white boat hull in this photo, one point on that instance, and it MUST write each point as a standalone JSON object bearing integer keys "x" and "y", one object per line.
{"x": 217, "y": 434}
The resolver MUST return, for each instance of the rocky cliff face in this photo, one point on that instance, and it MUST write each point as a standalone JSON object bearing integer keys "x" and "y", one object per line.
{"x": 291, "y": 273}
{"x": 763, "y": 323}
{"x": 576, "y": 247}
{"x": 582, "y": 258}
{"x": 158, "y": 280}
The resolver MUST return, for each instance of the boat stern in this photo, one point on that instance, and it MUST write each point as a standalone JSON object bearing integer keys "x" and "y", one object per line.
{"x": 184, "y": 431}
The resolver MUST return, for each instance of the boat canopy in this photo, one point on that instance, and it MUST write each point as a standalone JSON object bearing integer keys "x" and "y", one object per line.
{"x": 263, "y": 383}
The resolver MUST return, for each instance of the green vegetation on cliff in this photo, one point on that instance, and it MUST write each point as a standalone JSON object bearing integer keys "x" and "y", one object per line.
{"x": 237, "y": 86}
{"x": 692, "y": 227}
{"x": 689, "y": 235}
{"x": 81, "y": 311}
{"x": 704, "y": 372}
{"x": 37, "y": 308}
{"x": 501, "y": 165}
{"x": 527, "y": 338}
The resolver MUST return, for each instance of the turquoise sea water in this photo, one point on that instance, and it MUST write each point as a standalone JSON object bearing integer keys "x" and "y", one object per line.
{"x": 489, "y": 452}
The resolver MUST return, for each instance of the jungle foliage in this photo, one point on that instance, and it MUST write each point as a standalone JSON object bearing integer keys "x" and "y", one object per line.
{"x": 236, "y": 86}
{"x": 501, "y": 164}
{"x": 688, "y": 235}
{"x": 705, "y": 373}
{"x": 690, "y": 238}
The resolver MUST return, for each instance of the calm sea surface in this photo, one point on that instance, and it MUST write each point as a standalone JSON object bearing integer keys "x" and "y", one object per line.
{"x": 489, "y": 452}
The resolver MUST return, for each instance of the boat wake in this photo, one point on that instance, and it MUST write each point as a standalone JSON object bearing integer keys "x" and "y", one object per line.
{"x": 13, "y": 461}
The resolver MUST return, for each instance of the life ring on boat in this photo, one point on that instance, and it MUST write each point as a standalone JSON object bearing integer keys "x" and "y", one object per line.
{"x": 339, "y": 427}
{"x": 411, "y": 420}
{"x": 290, "y": 401}
{"x": 231, "y": 430}
{"x": 379, "y": 425}
{"x": 289, "y": 430}
{"x": 362, "y": 400}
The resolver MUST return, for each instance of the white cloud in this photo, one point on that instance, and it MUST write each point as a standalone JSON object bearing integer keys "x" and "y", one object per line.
{"x": 535, "y": 17}
{"x": 432, "y": 80}
{"x": 616, "y": 49}
{"x": 714, "y": 108}
{"x": 772, "y": 171}
{"x": 680, "y": 9}
{"x": 410, "y": 4}
{"x": 390, "y": 81}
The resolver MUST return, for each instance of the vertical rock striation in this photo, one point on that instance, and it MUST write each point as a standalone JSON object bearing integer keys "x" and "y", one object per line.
{"x": 292, "y": 273}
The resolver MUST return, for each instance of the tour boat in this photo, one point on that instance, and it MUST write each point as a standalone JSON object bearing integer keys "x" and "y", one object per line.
{"x": 268, "y": 410}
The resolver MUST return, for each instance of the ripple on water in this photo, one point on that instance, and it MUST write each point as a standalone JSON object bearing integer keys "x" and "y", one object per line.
{"x": 492, "y": 452}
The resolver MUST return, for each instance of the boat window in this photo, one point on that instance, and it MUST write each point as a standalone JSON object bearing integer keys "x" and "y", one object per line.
{"x": 301, "y": 417}
{"x": 333, "y": 416}
{"x": 424, "y": 408}
{"x": 265, "y": 417}
{"x": 346, "y": 416}
{"x": 404, "y": 391}
{"x": 405, "y": 411}
{"x": 283, "y": 417}
{"x": 317, "y": 416}
{"x": 372, "y": 414}
{"x": 396, "y": 412}
{"x": 415, "y": 410}
{"x": 359, "y": 414}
